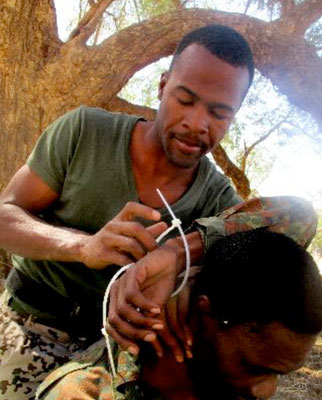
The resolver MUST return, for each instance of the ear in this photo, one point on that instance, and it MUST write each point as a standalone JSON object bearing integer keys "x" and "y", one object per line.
{"x": 163, "y": 81}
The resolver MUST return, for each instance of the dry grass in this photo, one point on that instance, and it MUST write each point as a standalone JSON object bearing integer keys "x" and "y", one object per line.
{"x": 306, "y": 383}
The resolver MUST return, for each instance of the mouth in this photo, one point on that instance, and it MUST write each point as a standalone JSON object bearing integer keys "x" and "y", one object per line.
{"x": 188, "y": 146}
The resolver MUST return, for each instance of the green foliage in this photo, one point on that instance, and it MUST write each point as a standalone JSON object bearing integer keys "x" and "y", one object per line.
{"x": 316, "y": 245}
{"x": 123, "y": 13}
{"x": 146, "y": 84}
{"x": 314, "y": 35}
{"x": 150, "y": 8}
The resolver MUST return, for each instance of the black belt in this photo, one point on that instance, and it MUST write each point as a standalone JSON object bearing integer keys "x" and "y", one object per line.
{"x": 69, "y": 316}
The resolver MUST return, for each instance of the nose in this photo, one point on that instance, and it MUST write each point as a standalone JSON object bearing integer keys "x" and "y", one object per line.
{"x": 196, "y": 120}
{"x": 264, "y": 389}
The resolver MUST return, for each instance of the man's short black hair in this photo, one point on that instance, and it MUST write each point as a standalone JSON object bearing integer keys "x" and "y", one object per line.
{"x": 262, "y": 277}
{"x": 223, "y": 42}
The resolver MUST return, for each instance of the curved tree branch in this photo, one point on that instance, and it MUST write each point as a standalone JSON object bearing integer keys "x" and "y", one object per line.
{"x": 249, "y": 149}
{"x": 239, "y": 179}
{"x": 178, "y": 3}
{"x": 311, "y": 10}
{"x": 279, "y": 55}
{"x": 87, "y": 25}
{"x": 150, "y": 40}
{"x": 120, "y": 105}
{"x": 286, "y": 6}
{"x": 299, "y": 17}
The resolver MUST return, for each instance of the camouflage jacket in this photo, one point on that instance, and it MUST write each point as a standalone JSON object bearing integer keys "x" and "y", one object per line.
{"x": 89, "y": 376}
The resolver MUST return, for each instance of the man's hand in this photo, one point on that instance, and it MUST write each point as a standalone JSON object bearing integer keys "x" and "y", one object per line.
{"x": 122, "y": 240}
{"x": 140, "y": 295}
{"x": 176, "y": 334}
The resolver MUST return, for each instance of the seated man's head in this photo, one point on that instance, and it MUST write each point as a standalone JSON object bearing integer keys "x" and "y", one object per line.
{"x": 256, "y": 309}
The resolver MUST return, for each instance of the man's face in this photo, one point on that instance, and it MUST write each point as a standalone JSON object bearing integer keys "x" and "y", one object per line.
{"x": 199, "y": 99}
{"x": 239, "y": 363}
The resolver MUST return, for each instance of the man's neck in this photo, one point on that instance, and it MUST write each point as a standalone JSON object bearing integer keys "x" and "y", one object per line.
{"x": 152, "y": 169}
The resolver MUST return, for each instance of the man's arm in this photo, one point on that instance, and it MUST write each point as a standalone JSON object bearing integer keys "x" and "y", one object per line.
{"x": 291, "y": 216}
{"x": 21, "y": 232}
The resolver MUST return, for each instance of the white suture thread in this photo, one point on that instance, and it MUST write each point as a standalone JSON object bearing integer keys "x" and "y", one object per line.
{"x": 175, "y": 223}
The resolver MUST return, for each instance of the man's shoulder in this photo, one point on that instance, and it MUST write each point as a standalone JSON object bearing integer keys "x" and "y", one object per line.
{"x": 96, "y": 114}
{"x": 210, "y": 173}
{"x": 214, "y": 189}
{"x": 100, "y": 121}
{"x": 90, "y": 376}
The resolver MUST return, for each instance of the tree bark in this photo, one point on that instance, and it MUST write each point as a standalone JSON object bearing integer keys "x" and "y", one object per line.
{"x": 88, "y": 23}
{"x": 41, "y": 77}
{"x": 231, "y": 170}
{"x": 28, "y": 42}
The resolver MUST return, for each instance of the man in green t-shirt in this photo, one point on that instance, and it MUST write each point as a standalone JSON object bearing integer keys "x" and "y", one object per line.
{"x": 81, "y": 205}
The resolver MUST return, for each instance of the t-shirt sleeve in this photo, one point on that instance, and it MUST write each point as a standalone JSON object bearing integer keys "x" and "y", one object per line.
{"x": 229, "y": 197}
{"x": 54, "y": 149}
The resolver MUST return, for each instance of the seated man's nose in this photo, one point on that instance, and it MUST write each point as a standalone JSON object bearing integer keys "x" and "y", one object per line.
{"x": 265, "y": 389}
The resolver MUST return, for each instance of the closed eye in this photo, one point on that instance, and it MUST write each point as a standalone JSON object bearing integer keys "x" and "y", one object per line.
{"x": 258, "y": 370}
{"x": 218, "y": 116}
{"x": 185, "y": 102}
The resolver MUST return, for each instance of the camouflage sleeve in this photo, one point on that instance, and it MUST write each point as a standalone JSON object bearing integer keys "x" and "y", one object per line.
{"x": 292, "y": 216}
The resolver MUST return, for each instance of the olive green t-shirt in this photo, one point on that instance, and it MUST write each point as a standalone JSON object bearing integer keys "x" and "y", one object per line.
{"x": 84, "y": 156}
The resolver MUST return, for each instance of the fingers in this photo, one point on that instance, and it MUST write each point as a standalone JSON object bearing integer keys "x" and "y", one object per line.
{"x": 177, "y": 335}
{"x": 157, "y": 346}
{"x": 118, "y": 327}
{"x": 171, "y": 341}
{"x": 182, "y": 313}
{"x": 125, "y": 343}
{"x": 127, "y": 334}
{"x": 116, "y": 258}
{"x": 131, "y": 237}
{"x": 121, "y": 312}
{"x": 172, "y": 318}
{"x": 119, "y": 243}
{"x": 125, "y": 240}
{"x": 134, "y": 210}
{"x": 132, "y": 297}
{"x": 125, "y": 323}
{"x": 156, "y": 229}
{"x": 147, "y": 285}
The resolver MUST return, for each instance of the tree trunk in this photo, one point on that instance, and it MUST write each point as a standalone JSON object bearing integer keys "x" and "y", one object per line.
{"x": 29, "y": 41}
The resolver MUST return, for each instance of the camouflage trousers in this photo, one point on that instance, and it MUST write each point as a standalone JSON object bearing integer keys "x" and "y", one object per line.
{"x": 28, "y": 352}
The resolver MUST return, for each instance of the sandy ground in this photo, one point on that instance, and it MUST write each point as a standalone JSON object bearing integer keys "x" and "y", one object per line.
{"x": 306, "y": 383}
